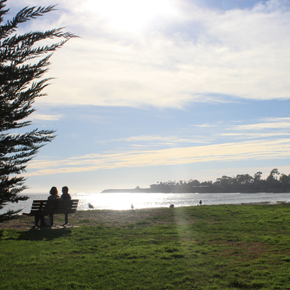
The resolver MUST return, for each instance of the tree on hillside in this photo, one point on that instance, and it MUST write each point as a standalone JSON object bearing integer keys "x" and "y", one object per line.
{"x": 20, "y": 83}
{"x": 284, "y": 179}
{"x": 194, "y": 182}
{"x": 258, "y": 176}
{"x": 224, "y": 180}
{"x": 273, "y": 177}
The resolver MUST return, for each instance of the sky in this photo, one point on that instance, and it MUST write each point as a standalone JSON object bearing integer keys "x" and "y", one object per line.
{"x": 160, "y": 90}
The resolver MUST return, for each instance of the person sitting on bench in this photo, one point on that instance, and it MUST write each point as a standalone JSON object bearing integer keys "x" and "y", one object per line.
{"x": 65, "y": 194}
{"x": 53, "y": 193}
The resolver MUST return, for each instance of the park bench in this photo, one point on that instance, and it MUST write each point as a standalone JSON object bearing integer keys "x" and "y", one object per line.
{"x": 41, "y": 208}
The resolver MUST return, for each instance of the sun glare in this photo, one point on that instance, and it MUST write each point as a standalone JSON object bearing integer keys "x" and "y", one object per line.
{"x": 131, "y": 15}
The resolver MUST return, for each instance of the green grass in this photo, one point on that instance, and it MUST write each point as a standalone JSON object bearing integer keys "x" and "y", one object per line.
{"x": 207, "y": 247}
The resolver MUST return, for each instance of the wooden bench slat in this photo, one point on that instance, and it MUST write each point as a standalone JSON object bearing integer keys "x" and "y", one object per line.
{"x": 51, "y": 207}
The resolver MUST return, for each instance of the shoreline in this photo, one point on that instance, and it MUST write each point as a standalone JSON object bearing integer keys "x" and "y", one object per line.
{"x": 118, "y": 218}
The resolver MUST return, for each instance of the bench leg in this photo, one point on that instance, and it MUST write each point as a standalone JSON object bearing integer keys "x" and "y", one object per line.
{"x": 36, "y": 220}
{"x": 66, "y": 218}
{"x": 42, "y": 221}
{"x": 51, "y": 219}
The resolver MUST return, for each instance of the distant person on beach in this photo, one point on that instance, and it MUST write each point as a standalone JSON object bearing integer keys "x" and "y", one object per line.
{"x": 53, "y": 193}
{"x": 65, "y": 194}
{"x": 200, "y": 202}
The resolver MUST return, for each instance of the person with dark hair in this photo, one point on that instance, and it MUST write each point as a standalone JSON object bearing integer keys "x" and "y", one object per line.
{"x": 65, "y": 194}
{"x": 53, "y": 193}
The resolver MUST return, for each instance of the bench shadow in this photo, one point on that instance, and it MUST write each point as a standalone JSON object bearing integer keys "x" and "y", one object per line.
{"x": 40, "y": 235}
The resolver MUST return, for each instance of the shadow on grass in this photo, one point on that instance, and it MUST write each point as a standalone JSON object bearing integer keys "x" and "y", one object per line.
{"x": 34, "y": 235}
{"x": 48, "y": 235}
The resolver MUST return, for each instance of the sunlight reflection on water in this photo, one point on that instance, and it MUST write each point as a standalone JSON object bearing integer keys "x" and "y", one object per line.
{"x": 123, "y": 201}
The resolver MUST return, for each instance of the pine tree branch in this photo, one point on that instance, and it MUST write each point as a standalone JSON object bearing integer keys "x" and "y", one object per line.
{"x": 21, "y": 82}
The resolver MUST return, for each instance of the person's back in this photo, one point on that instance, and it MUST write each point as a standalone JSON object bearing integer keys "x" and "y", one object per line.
{"x": 53, "y": 193}
{"x": 65, "y": 194}
{"x": 53, "y": 197}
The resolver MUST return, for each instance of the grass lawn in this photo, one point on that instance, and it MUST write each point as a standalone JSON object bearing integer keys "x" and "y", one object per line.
{"x": 205, "y": 247}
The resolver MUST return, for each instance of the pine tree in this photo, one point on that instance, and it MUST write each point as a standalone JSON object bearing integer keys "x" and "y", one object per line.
{"x": 20, "y": 83}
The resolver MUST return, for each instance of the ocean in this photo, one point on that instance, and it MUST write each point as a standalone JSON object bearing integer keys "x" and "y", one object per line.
{"x": 124, "y": 201}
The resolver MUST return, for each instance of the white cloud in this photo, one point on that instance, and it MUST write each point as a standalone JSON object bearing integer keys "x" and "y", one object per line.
{"x": 201, "y": 54}
{"x": 130, "y": 15}
{"x": 272, "y": 119}
{"x": 45, "y": 117}
{"x": 259, "y": 150}
{"x": 262, "y": 126}
{"x": 146, "y": 141}
{"x": 254, "y": 135}
{"x": 172, "y": 139}
{"x": 273, "y": 123}
{"x": 205, "y": 125}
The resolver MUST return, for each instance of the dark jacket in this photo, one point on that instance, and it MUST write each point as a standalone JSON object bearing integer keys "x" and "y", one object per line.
{"x": 66, "y": 196}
